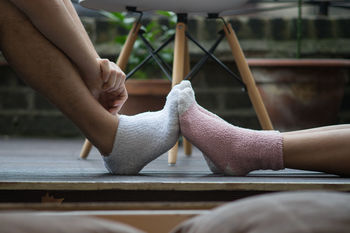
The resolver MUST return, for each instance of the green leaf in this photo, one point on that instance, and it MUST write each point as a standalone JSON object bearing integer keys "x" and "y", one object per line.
{"x": 154, "y": 33}
{"x": 120, "y": 39}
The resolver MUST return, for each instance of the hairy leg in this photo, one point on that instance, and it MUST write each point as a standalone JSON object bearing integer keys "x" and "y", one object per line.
{"x": 325, "y": 150}
{"x": 46, "y": 69}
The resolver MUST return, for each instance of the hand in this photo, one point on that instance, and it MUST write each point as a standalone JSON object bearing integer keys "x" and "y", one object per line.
{"x": 112, "y": 75}
{"x": 107, "y": 85}
{"x": 114, "y": 100}
{"x": 113, "y": 94}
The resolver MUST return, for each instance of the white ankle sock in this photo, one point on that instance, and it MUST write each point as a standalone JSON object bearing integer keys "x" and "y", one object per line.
{"x": 142, "y": 138}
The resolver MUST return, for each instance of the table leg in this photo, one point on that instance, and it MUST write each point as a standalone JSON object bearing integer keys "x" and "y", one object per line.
{"x": 121, "y": 62}
{"x": 178, "y": 73}
{"x": 187, "y": 145}
{"x": 248, "y": 79}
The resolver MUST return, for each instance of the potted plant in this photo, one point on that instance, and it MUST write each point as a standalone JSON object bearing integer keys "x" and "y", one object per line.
{"x": 301, "y": 93}
{"x": 147, "y": 88}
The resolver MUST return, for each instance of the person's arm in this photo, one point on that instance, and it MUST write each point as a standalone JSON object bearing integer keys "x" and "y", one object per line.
{"x": 58, "y": 22}
{"x": 54, "y": 21}
{"x": 79, "y": 24}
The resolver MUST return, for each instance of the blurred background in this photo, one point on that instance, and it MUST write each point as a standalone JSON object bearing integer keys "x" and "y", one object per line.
{"x": 265, "y": 29}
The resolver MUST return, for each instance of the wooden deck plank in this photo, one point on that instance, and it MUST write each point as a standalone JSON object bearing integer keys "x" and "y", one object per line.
{"x": 43, "y": 164}
{"x": 111, "y": 206}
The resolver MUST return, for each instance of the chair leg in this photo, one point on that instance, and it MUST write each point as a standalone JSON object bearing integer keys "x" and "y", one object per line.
{"x": 178, "y": 72}
{"x": 121, "y": 62}
{"x": 248, "y": 79}
{"x": 187, "y": 145}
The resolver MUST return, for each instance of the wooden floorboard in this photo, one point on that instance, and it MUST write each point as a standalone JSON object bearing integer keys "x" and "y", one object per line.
{"x": 51, "y": 164}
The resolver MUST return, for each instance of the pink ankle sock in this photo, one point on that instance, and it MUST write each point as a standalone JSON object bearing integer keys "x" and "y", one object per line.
{"x": 213, "y": 168}
{"x": 233, "y": 150}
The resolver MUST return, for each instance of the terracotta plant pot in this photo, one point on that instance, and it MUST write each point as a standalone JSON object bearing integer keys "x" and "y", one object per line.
{"x": 145, "y": 95}
{"x": 301, "y": 93}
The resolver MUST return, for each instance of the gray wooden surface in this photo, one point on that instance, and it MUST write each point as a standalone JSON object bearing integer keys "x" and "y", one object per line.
{"x": 42, "y": 164}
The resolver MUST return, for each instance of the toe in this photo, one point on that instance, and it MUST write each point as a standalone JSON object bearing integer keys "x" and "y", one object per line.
{"x": 173, "y": 94}
{"x": 186, "y": 99}
{"x": 184, "y": 84}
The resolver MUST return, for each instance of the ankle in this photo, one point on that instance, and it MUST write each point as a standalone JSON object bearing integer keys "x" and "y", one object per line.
{"x": 104, "y": 138}
{"x": 105, "y": 149}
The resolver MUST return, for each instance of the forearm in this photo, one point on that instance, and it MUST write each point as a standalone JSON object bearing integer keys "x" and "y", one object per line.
{"x": 79, "y": 24}
{"x": 54, "y": 21}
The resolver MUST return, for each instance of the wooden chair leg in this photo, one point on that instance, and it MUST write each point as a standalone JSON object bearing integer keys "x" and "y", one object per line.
{"x": 248, "y": 79}
{"x": 84, "y": 153}
{"x": 178, "y": 72}
{"x": 121, "y": 62}
{"x": 187, "y": 145}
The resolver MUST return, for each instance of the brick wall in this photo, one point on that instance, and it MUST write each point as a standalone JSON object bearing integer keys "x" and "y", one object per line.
{"x": 24, "y": 112}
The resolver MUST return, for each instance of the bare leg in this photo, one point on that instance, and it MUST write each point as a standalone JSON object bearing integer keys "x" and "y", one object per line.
{"x": 319, "y": 129}
{"x": 324, "y": 150}
{"x": 50, "y": 72}
{"x": 78, "y": 24}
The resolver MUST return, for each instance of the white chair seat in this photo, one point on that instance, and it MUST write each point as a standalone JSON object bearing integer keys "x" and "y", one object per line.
{"x": 177, "y": 6}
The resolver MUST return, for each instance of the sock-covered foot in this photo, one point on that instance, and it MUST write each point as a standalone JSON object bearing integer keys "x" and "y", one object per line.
{"x": 144, "y": 137}
{"x": 214, "y": 169}
{"x": 233, "y": 150}
{"x": 187, "y": 84}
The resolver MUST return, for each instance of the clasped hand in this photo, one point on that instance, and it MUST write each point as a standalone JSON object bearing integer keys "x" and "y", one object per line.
{"x": 109, "y": 87}
{"x": 114, "y": 93}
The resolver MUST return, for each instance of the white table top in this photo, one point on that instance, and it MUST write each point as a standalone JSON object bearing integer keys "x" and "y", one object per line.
{"x": 177, "y": 6}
